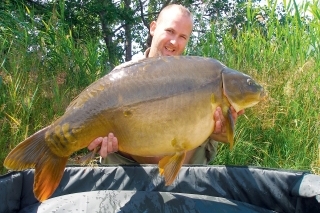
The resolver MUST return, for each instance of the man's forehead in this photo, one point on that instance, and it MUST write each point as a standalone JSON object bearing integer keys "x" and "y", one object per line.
{"x": 175, "y": 18}
{"x": 174, "y": 13}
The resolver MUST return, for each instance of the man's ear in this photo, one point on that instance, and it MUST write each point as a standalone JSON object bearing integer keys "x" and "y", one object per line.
{"x": 153, "y": 26}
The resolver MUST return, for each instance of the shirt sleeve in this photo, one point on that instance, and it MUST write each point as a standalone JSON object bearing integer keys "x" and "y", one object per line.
{"x": 205, "y": 153}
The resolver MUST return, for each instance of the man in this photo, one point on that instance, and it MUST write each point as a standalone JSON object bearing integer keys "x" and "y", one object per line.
{"x": 170, "y": 35}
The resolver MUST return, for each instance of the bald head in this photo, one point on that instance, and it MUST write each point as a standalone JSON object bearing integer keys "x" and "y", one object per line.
{"x": 174, "y": 8}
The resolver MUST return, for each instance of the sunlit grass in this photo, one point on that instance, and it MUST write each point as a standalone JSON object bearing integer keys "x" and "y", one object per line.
{"x": 282, "y": 132}
{"x": 38, "y": 82}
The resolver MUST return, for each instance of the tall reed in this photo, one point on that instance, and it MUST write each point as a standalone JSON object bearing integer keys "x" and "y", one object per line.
{"x": 282, "y": 132}
{"x": 40, "y": 73}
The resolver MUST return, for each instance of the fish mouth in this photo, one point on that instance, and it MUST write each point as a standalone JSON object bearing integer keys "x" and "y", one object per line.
{"x": 263, "y": 95}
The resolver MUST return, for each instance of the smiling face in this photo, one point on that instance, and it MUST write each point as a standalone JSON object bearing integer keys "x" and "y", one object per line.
{"x": 171, "y": 32}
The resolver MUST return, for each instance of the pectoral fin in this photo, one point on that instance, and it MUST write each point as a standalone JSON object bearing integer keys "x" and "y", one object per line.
{"x": 230, "y": 127}
{"x": 169, "y": 166}
{"x": 88, "y": 157}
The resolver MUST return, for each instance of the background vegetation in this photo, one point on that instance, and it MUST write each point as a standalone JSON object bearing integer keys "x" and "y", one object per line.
{"x": 50, "y": 51}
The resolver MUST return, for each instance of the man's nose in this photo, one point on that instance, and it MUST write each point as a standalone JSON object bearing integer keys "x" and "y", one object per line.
{"x": 173, "y": 41}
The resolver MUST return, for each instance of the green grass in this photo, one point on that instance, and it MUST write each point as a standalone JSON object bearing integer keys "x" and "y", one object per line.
{"x": 282, "y": 132}
{"x": 36, "y": 85}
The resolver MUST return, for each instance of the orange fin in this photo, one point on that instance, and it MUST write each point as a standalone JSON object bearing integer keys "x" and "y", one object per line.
{"x": 27, "y": 153}
{"x": 35, "y": 153}
{"x": 169, "y": 166}
{"x": 48, "y": 174}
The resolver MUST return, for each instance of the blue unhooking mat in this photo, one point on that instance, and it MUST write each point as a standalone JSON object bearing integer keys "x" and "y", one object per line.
{"x": 139, "y": 188}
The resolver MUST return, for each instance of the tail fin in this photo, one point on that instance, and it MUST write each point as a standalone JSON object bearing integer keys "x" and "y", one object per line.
{"x": 35, "y": 153}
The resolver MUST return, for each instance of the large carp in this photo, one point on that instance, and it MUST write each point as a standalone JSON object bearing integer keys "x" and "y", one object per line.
{"x": 156, "y": 107}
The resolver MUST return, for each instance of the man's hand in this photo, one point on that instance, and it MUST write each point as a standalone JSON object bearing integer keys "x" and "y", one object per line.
{"x": 220, "y": 121}
{"x": 108, "y": 145}
{"x": 219, "y": 132}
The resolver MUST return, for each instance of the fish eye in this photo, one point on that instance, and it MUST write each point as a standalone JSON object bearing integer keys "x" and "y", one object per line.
{"x": 249, "y": 81}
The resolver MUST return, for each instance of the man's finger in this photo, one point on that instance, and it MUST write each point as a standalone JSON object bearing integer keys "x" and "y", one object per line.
{"x": 95, "y": 143}
{"x": 217, "y": 119}
{"x": 115, "y": 144}
{"x": 104, "y": 148}
{"x": 217, "y": 128}
{"x": 110, "y": 142}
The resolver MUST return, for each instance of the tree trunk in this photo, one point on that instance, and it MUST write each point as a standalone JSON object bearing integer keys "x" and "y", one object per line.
{"x": 107, "y": 33}
{"x": 127, "y": 31}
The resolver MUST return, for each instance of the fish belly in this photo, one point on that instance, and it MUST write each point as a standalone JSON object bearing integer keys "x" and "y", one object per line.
{"x": 162, "y": 127}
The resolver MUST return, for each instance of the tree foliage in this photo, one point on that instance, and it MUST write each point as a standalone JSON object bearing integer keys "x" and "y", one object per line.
{"x": 122, "y": 26}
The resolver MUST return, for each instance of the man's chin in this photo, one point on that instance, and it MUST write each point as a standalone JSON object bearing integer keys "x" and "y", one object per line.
{"x": 169, "y": 54}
